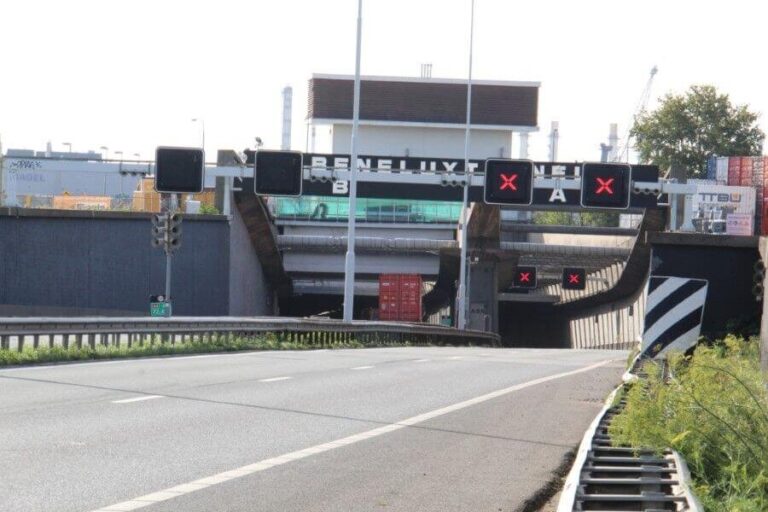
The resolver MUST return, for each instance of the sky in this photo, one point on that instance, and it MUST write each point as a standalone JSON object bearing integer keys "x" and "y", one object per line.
{"x": 130, "y": 75}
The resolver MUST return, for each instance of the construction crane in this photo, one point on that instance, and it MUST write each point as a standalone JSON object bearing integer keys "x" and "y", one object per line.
{"x": 621, "y": 151}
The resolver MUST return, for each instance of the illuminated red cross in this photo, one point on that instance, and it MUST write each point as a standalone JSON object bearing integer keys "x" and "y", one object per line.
{"x": 525, "y": 277}
{"x": 604, "y": 185}
{"x": 508, "y": 182}
{"x": 573, "y": 278}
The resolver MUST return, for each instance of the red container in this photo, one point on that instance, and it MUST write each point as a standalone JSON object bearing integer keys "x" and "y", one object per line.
{"x": 764, "y": 217}
{"x": 734, "y": 170}
{"x": 400, "y": 297}
{"x": 747, "y": 171}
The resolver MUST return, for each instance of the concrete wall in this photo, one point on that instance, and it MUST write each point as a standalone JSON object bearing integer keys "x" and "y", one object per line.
{"x": 101, "y": 263}
{"x": 249, "y": 292}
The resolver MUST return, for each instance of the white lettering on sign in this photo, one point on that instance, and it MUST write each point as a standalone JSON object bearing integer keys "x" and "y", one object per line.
{"x": 472, "y": 166}
{"x": 385, "y": 163}
{"x": 319, "y": 161}
{"x": 340, "y": 187}
{"x": 449, "y": 166}
{"x": 341, "y": 162}
{"x": 558, "y": 194}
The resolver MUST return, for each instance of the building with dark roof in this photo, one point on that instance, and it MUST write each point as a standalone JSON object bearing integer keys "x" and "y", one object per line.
{"x": 421, "y": 116}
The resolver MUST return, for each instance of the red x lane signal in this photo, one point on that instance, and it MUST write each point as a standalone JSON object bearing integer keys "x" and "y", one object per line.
{"x": 605, "y": 185}
{"x": 508, "y": 181}
{"x": 525, "y": 277}
{"x": 574, "y": 279}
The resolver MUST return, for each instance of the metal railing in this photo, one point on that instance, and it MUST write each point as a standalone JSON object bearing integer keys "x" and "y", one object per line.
{"x": 17, "y": 333}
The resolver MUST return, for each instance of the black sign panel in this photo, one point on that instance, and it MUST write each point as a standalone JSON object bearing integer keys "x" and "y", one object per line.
{"x": 179, "y": 170}
{"x": 508, "y": 181}
{"x": 574, "y": 278}
{"x": 393, "y": 164}
{"x": 525, "y": 277}
{"x": 605, "y": 185}
{"x": 277, "y": 173}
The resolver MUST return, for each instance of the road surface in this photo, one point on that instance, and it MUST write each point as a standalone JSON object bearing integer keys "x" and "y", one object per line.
{"x": 406, "y": 429}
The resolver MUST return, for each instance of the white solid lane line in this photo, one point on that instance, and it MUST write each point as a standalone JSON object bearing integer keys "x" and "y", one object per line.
{"x": 455, "y": 358}
{"x": 202, "y": 483}
{"x": 421, "y": 360}
{"x": 361, "y": 368}
{"x": 137, "y": 399}
{"x": 275, "y": 379}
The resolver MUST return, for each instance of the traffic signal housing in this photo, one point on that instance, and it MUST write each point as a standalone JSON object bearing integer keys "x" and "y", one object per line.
{"x": 179, "y": 170}
{"x": 277, "y": 173}
{"x": 605, "y": 185}
{"x": 574, "y": 278}
{"x": 508, "y": 181}
{"x": 525, "y": 277}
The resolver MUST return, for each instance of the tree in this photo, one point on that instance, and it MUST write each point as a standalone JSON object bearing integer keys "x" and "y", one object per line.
{"x": 686, "y": 129}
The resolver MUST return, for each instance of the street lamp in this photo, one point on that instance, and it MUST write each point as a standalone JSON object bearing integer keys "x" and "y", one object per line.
{"x": 119, "y": 154}
{"x": 349, "y": 261}
{"x": 461, "y": 299}
{"x": 137, "y": 155}
{"x": 259, "y": 142}
{"x": 105, "y": 149}
{"x": 68, "y": 144}
{"x": 202, "y": 127}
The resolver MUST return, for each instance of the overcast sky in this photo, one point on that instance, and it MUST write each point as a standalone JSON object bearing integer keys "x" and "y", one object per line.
{"x": 130, "y": 75}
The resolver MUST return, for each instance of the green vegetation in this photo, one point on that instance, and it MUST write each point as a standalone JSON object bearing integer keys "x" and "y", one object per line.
{"x": 688, "y": 128}
{"x": 597, "y": 219}
{"x": 160, "y": 348}
{"x": 714, "y": 411}
{"x": 207, "y": 209}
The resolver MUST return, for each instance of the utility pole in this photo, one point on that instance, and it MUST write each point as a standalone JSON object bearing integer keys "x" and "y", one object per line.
{"x": 461, "y": 295}
{"x": 349, "y": 262}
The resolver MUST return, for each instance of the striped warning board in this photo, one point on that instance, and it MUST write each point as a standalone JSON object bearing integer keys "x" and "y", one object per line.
{"x": 674, "y": 310}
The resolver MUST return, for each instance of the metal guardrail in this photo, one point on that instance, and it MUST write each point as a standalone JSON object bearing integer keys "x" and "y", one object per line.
{"x": 77, "y": 331}
{"x": 607, "y": 477}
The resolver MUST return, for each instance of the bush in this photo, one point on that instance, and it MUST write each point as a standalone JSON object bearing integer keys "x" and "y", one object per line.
{"x": 714, "y": 411}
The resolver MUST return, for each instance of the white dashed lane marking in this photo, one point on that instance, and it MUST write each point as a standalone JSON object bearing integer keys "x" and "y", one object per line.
{"x": 137, "y": 399}
{"x": 275, "y": 379}
{"x": 219, "y": 478}
{"x": 361, "y": 368}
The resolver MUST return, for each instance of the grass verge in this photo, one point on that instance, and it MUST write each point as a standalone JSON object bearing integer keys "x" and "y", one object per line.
{"x": 159, "y": 348}
{"x": 714, "y": 411}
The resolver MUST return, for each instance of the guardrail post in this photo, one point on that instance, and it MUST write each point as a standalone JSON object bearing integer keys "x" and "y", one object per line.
{"x": 4, "y": 342}
{"x": 35, "y": 341}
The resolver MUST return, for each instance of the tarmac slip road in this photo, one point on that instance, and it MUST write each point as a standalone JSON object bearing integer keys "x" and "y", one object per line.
{"x": 406, "y": 429}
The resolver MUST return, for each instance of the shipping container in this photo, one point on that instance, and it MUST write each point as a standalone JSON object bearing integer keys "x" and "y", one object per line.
{"x": 721, "y": 174}
{"x": 746, "y": 172}
{"x": 400, "y": 297}
{"x": 734, "y": 170}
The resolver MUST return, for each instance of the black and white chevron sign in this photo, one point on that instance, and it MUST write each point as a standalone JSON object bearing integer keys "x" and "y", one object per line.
{"x": 674, "y": 310}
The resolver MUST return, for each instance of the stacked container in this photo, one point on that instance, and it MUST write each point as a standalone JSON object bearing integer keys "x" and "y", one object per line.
{"x": 749, "y": 171}
{"x": 400, "y": 297}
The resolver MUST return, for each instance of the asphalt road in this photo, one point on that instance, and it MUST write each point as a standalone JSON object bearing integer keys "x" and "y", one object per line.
{"x": 406, "y": 429}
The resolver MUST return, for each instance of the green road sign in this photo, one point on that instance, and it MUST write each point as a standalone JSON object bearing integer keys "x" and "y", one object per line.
{"x": 160, "y": 309}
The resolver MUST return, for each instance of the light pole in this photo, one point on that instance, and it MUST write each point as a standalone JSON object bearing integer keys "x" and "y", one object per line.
{"x": 461, "y": 299}
{"x": 68, "y": 144}
{"x": 137, "y": 155}
{"x": 349, "y": 262}
{"x": 202, "y": 128}
{"x": 106, "y": 152}
{"x": 119, "y": 155}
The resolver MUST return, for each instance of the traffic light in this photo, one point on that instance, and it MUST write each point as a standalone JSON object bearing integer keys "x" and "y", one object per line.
{"x": 508, "y": 181}
{"x": 605, "y": 185}
{"x": 174, "y": 232}
{"x": 574, "y": 278}
{"x": 525, "y": 277}
{"x": 166, "y": 231}
{"x": 159, "y": 227}
{"x": 179, "y": 170}
{"x": 277, "y": 173}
